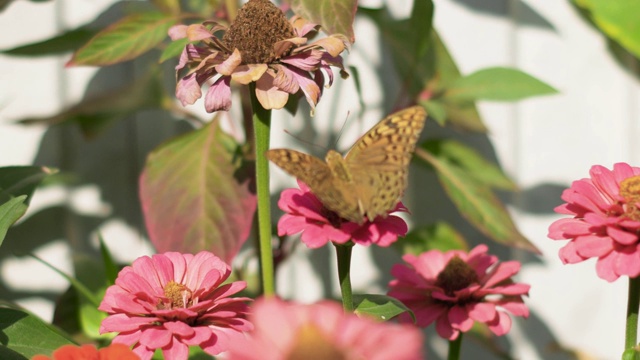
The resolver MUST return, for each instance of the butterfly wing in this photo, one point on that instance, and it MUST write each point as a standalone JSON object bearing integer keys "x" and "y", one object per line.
{"x": 333, "y": 191}
{"x": 379, "y": 160}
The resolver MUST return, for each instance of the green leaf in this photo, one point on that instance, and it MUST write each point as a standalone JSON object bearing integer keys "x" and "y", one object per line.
{"x": 380, "y": 307}
{"x": 94, "y": 114}
{"x": 167, "y": 6}
{"x": 10, "y": 212}
{"x": 435, "y": 111}
{"x": 125, "y": 40}
{"x": 173, "y": 49}
{"x": 77, "y": 285}
{"x": 471, "y": 162}
{"x": 197, "y": 194}
{"x": 476, "y": 202}
{"x": 110, "y": 267}
{"x": 617, "y": 19}
{"x": 335, "y": 16}
{"x": 67, "y": 41}
{"x": 501, "y": 84}
{"x": 440, "y": 236}
{"x": 27, "y": 335}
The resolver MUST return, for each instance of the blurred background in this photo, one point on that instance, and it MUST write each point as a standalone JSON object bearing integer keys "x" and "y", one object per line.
{"x": 543, "y": 144}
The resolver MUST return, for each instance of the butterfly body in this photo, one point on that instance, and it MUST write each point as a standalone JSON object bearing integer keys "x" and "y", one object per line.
{"x": 371, "y": 179}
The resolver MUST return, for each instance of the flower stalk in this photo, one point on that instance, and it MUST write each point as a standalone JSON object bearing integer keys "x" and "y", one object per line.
{"x": 343, "y": 253}
{"x": 262, "y": 127}
{"x": 631, "y": 333}
{"x": 454, "y": 348}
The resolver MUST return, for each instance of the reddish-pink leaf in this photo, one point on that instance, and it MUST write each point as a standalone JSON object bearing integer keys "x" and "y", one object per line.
{"x": 196, "y": 195}
{"x": 125, "y": 40}
{"x": 335, "y": 16}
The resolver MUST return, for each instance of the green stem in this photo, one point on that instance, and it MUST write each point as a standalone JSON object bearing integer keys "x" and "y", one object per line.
{"x": 631, "y": 333}
{"x": 454, "y": 348}
{"x": 262, "y": 127}
{"x": 343, "y": 252}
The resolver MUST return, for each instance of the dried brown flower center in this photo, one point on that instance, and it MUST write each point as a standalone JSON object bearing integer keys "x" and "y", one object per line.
{"x": 258, "y": 26}
{"x": 630, "y": 191}
{"x": 455, "y": 276}
{"x": 178, "y": 294}
{"x": 312, "y": 344}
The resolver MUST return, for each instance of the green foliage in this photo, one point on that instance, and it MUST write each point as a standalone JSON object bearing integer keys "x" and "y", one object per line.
{"x": 380, "y": 307}
{"x": 25, "y": 336}
{"x": 336, "y": 16}
{"x": 65, "y": 42}
{"x": 439, "y": 236}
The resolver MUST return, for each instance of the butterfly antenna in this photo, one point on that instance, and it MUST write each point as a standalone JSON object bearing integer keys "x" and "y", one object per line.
{"x": 335, "y": 144}
{"x": 304, "y": 141}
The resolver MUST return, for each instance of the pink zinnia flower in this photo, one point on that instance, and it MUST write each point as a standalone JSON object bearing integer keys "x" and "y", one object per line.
{"x": 455, "y": 289}
{"x": 89, "y": 352}
{"x": 323, "y": 331}
{"x": 319, "y": 225}
{"x": 260, "y": 46}
{"x": 170, "y": 301}
{"x": 605, "y": 221}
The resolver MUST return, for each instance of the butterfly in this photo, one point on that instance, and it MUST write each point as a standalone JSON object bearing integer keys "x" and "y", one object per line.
{"x": 371, "y": 179}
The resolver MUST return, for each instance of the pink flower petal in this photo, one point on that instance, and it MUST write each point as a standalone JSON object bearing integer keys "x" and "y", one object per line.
{"x": 218, "y": 96}
{"x": 502, "y": 325}
{"x": 227, "y": 67}
{"x": 269, "y": 96}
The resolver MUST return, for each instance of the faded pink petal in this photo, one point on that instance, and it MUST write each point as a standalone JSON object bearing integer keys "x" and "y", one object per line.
{"x": 218, "y": 96}
{"x": 188, "y": 90}
{"x": 603, "y": 224}
{"x": 145, "y": 314}
{"x": 485, "y": 298}
{"x": 227, "y": 67}
{"x": 177, "y": 32}
{"x": 279, "y": 327}
{"x": 245, "y": 74}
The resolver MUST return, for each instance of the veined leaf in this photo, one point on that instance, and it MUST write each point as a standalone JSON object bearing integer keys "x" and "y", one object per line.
{"x": 196, "y": 195}
{"x": 10, "y": 212}
{"x": 125, "y": 40}
{"x": 27, "y": 335}
{"x": 476, "y": 202}
{"x": 500, "y": 84}
{"x": 335, "y": 16}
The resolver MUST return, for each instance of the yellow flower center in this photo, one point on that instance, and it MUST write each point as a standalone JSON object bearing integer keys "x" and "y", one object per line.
{"x": 178, "y": 294}
{"x": 630, "y": 191}
{"x": 312, "y": 344}
{"x": 258, "y": 26}
{"x": 455, "y": 276}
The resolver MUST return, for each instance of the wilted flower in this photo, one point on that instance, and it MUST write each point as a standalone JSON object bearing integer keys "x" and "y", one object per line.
{"x": 260, "y": 46}
{"x": 319, "y": 225}
{"x": 89, "y": 352}
{"x": 170, "y": 301}
{"x": 322, "y": 331}
{"x": 604, "y": 223}
{"x": 455, "y": 289}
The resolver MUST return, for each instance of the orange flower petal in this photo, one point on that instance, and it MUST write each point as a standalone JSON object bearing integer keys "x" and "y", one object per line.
{"x": 269, "y": 96}
{"x": 230, "y": 64}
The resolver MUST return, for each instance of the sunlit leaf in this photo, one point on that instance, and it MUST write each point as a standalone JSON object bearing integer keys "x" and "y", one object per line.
{"x": 67, "y": 41}
{"x": 617, "y": 19}
{"x": 440, "y": 236}
{"x": 125, "y": 40}
{"x": 500, "y": 84}
{"x": 27, "y": 335}
{"x": 380, "y": 307}
{"x": 197, "y": 195}
{"x": 335, "y": 16}
{"x": 10, "y": 212}
{"x": 476, "y": 202}
{"x": 168, "y": 6}
{"x": 94, "y": 114}
{"x": 174, "y": 49}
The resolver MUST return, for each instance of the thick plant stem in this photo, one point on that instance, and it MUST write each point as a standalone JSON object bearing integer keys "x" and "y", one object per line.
{"x": 631, "y": 333}
{"x": 262, "y": 127}
{"x": 454, "y": 348}
{"x": 343, "y": 253}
